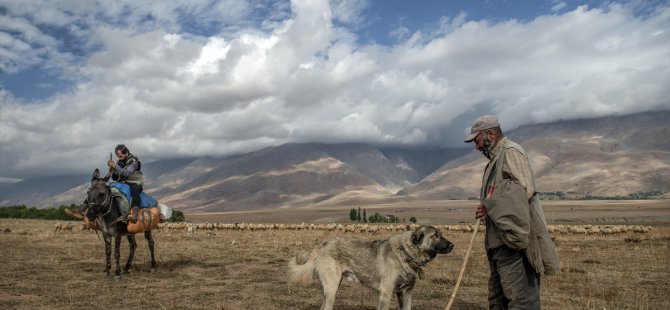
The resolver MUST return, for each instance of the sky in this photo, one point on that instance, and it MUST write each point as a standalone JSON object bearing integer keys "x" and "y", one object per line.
{"x": 196, "y": 78}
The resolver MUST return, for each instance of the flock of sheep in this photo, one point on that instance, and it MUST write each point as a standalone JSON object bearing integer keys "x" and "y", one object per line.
{"x": 371, "y": 228}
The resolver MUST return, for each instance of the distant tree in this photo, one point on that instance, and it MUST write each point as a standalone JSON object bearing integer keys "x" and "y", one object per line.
{"x": 376, "y": 218}
{"x": 359, "y": 214}
{"x": 353, "y": 215}
{"x": 412, "y": 219}
{"x": 560, "y": 195}
{"x": 177, "y": 216}
{"x": 365, "y": 216}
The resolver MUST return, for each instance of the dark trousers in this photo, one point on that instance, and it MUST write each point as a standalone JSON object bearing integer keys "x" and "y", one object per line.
{"x": 135, "y": 190}
{"x": 513, "y": 283}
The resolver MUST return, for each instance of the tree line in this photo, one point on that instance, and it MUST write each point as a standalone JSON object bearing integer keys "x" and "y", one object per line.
{"x": 358, "y": 216}
{"x": 23, "y": 212}
{"x": 558, "y": 195}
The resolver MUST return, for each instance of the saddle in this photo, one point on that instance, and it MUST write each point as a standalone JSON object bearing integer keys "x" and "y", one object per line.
{"x": 150, "y": 212}
{"x": 123, "y": 190}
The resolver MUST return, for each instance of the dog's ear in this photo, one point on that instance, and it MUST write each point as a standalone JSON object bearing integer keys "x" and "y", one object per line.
{"x": 417, "y": 237}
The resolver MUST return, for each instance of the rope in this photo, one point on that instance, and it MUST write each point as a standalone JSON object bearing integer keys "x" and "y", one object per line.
{"x": 108, "y": 201}
{"x": 465, "y": 262}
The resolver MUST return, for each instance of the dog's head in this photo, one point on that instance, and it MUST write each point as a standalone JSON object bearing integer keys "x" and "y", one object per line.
{"x": 430, "y": 241}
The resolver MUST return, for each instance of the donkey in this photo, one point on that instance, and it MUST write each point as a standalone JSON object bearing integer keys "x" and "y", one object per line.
{"x": 103, "y": 209}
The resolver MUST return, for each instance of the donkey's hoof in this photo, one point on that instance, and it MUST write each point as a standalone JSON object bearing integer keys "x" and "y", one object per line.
{"x": 125, "y": 271}
{"x": 152, "y": 270}
{"x": 117, "y": 278}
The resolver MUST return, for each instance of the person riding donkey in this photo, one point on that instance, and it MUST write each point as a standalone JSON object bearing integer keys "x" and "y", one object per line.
{"x": 127, "y": 170}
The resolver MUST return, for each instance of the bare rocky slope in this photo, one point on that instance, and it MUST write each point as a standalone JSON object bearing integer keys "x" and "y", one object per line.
{"x": 600, "y": 157}
{"x": 604, "y": 157}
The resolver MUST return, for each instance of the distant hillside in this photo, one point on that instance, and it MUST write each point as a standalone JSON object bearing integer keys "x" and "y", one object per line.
{"x": 54, "y": 191}
{"x": 32, "y": 191}
{"x": 290, "y": 175}
{"x": 603, "y": 157}
{"x": 295, "y": 175}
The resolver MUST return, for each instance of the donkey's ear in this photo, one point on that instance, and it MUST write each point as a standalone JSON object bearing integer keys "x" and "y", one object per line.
{"x": 96, "y": 175}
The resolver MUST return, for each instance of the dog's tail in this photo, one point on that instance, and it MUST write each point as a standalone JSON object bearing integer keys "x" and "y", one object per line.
{"x": 301, "y": 268}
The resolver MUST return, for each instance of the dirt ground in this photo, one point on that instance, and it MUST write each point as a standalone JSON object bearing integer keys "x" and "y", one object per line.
{"x": 226, "y": 269}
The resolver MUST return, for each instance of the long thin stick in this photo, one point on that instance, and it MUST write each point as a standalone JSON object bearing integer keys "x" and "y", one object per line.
{"x": 465, "y": 262}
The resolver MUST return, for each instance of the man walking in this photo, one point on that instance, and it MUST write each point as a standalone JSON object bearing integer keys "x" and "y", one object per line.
{"x": 518, "y": 245}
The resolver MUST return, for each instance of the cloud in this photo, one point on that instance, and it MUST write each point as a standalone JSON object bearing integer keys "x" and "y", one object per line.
{"x": 150, "y": 79}
{"x": 558, "y": 6}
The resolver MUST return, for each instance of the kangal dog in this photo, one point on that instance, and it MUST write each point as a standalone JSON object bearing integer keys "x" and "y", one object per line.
{"x": 388, "y": 266}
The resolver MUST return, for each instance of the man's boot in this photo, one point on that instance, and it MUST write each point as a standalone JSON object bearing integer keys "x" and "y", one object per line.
{"x": 133, "y": 214}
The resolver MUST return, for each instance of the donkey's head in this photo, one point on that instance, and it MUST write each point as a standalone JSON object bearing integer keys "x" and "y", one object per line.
{"x": 98, "y": 195}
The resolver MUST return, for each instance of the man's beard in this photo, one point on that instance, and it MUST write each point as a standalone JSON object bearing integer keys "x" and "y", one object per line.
{"x": 487, "y": 147}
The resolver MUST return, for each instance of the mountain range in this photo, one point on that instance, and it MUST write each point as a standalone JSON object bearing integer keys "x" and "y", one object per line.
{"x": 602, "y": 157}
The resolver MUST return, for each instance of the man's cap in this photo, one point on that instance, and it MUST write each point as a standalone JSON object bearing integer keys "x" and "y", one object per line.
{"x": 481, "y": 123}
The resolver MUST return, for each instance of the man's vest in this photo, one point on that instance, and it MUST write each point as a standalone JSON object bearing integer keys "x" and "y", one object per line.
{"x": 136, "y": 177}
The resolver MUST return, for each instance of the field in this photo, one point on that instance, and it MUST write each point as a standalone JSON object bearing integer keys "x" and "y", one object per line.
{"x": 230, "y": 269}
{"x": 459, "y": 211}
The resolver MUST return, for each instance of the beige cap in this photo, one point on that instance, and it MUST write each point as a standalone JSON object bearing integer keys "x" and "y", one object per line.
{"x": 481, "y": 123}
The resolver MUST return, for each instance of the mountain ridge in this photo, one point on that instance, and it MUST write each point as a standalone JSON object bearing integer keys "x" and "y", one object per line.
{"x": 605, "y": 156}
{"x": 602, "y": 157}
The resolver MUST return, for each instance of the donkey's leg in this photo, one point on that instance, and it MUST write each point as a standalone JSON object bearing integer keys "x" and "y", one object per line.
{"x": 150, "y": 240}
{"x": 117, "y": 254}
{"x": 108, "y": 252}
{"x": 132, "y": 246}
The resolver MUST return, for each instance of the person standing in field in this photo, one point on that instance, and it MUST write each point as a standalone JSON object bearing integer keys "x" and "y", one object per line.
{"x": 518, "y": 246}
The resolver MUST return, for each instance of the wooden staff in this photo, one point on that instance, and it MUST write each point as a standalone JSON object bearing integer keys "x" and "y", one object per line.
{"x": 489, "y": 193}
{"x": 465, "y": 262}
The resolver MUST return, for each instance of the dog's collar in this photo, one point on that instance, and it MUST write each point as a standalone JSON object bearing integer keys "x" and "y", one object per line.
{"x": 416, "y": 267}
{"x": 412, "y": 263}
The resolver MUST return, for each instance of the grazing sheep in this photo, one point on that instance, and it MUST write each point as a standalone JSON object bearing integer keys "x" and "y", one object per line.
{"x": 64, "y": 226}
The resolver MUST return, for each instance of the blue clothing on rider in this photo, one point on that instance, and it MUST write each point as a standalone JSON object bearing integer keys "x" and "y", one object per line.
{"x": 128, "y": 170}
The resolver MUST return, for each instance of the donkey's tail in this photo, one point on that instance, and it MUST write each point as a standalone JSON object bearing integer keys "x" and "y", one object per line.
{"x": 301, "y": 268}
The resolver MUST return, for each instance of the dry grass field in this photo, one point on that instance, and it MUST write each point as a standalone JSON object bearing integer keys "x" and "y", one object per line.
{"x": 229, "y": 269}
{"x": 435, "y": 212}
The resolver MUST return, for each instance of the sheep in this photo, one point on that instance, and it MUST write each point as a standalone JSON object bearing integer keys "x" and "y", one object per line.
{"x": 64, "y": 226}
{"x": 381, "y": 228}
{"x": 191, "y": 229}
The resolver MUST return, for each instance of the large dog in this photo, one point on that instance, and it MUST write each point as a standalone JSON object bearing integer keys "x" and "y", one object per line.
{"x": 388, "y": 266}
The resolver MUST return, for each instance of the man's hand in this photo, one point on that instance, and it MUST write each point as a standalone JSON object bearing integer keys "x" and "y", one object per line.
{"x": 480, "y": 213}
{"x": 111, "y": 164}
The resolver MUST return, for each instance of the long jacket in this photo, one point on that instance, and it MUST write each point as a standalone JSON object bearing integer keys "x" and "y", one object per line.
{"x": 513, "y": 219}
